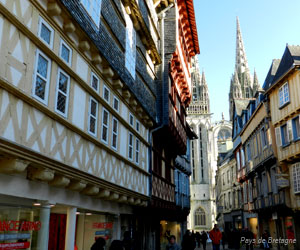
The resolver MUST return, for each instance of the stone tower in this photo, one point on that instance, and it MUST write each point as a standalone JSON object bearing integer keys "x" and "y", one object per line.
{"x": 241, "y": 85}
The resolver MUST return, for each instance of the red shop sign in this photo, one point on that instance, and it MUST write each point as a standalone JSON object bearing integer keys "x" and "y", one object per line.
{"x": 105, "y": 225}
{"x": 16, "y": 245}
{"x": 13, "y": 225}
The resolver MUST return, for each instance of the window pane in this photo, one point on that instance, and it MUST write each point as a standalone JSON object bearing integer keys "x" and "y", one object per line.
{"x": 92, "y": 124}
{"x": 106, "y": 94}
{"x": 114, "y": 142}
{"x": 42, "y": 66}
{"x": 104, "y": 133}
{"x": 65, "y": 53}
{"x": 61, "y": 102}
{"x": 115, "y": 126}
{"x": 93, "y": 108}
{"x": 40, "y": 87}
{"x": 105, "y": 118}
{"x": 45, "y": 33}
{"x": 63, "y": 82}
{"x": 94, "y": 82}
{"x": 116, "y": 104}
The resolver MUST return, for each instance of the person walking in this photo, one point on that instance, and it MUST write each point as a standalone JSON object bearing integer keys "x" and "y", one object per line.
{"x": 198, "y": 238}
{"x": 172, "y": 244}
{"x": 215, "y": 235}
{"x": 236, "y": 238}
{"x": 249, "y": 236}
{"x": 266, "y": 237}
{"x": 99, "y": 244}
{"x": 188, "y": 242}
{"x": 127, "y": 241}
{"x": 224, "y": 239}
{"x": 204, "y": 239}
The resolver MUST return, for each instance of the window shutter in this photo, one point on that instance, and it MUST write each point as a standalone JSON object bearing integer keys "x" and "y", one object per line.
{"x": 278, "y": 136}
{"x": 290, "y": 130}
{"x": 269, "y": 136}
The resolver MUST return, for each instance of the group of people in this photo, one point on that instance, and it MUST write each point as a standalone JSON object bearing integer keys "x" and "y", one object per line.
{"x": 125, "y": 244}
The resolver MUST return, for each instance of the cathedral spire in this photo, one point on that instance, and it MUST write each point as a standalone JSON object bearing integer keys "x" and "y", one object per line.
{"x": 256, "y": 85}
{"x": 241, "y": 63}
{"x": 203, "y": 80}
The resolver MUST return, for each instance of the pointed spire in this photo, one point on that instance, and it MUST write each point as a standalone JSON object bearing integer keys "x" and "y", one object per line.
{"x": 203, "y": 79}
{"x": 241, "y": 63}
{"x": 235, "y": 87}
{"x": 256, "y": 85}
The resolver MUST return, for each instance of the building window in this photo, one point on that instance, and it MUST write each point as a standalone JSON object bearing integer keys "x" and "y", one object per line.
{"x": 106, "y": 93}
{"x": 93, "y": 8}
{"x": 114, "y": 141}
{"x": 296, "y": 128}
{"x": 130, "y": 146}
{"x": 45, "y": 32}
{"x": 284, "y": 96}
{"x": 238, "y": 161}
{"x": 137, "y": 151}
{"x": 286, "y": 133}
{"x": 93, "y": 116}
{"x": 200, "y": 218}
{"x": 245, "y": 191}
{"x": 273, "y": 180}
{"x": 130, "y": 50}
{"x": 65, "y": 52}
{"x": 131, "y": 119}
{"x": 248, "y": 148}
{"x": 228, "y": 176}
{"x": 247, "y": 91}
{"x": 223, "y": 175}
{"x": 263, "y": 137}
{"x": 250, "y": 189}
{"x": 243, "y": 157}
{"x": 116, "y": 104}
{"x": 137, "y": 126}
{"x": 41, "y": 77}
{"x": 105, "y": 124}
{"x": 296, "y": 177}
{"x": 95, "y": 82}
{"x": 62, "y": 93}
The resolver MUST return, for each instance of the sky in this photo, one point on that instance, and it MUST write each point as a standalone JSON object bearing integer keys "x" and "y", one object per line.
{"x": 266, "y": 26}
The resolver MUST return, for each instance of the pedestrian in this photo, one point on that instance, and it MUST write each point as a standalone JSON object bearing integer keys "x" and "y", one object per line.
{"x": 172, "y": 244}
{"x": 204, "y": 239}
{"x": 236, "y": 239}
{"x": 116, "y": 245}
{"x": 198, "y": 238}
{"x": 266, "y": 237}
{"x": 215, "y": 235}
{"x": 127, "y": 241}
{"x": 188, "y": 242}
{"x": 249, "y": 236}
{"x": 224, "y": 239}
{"x": 99, "y": 244}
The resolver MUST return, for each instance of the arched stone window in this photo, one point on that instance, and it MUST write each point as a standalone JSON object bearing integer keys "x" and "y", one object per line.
{"x": 200, "y": 218}
{"x": 224, "y": 134}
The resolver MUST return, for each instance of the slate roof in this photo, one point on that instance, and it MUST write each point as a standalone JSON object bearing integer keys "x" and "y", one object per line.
{"x": 291, "y": 56}
{"x": 272, "y": 72}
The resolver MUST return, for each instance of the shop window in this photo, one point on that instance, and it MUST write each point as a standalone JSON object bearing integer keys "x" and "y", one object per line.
{"x": 200, "y": 218}
{"x": 284, "y": 96}
{"x": 62, "y": 93}
{"x": 41, "y": 77}
{"x": 45, "y": 32}
{"x": 95, "y": 82}
{"x": 105, "y": 124}
{"x": 130, "y": 50}
{"x": 93, "y": 116}
{"x": 296, "y": 177}
{"x": 114, "y": 141}
{"x": 130, "y": 146}
{"x": 65, "y": 52}
{"x": 93, "y": 8}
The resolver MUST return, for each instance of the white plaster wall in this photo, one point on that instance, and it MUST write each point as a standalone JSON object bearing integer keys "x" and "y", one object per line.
{"x": 82, "y": 68}
{"x": 123, "y": 140}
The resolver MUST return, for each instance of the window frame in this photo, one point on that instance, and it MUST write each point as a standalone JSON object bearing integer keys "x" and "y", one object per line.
{"x": 48, "y": 26}
{"x": 95, "y": 117}
{"x": 294, "y": 127}
{"x": 131, "y": 123}
{"x": 103, "y": 94}
{"x": 118, "y": 106}
{"x": 284, "y": 91}
{"x": 105, "y": 125}
{"x": 263, "y": 138}
{"x": 62, "y": 42}
{"x": 296, "y": 177}
{"x": 137, "y": 125}
{"x": 137, "y": 150}
{"x": 130, "y": 146}
{"x": 60, "y": 71}
{"x": 91, "y": 82}
{"x": 44, "y": 101}
{"x": 114, "y": 133}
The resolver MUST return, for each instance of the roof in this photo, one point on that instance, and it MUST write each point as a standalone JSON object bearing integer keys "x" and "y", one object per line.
{"x": 272, "y": 72}
{"x": 192, "y": 21}
{"x": 240, "y": 105}
{"x": 290, "y": 58}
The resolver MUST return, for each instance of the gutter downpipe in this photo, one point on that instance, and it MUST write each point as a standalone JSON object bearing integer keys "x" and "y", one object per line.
{"x": 161, "y": 16}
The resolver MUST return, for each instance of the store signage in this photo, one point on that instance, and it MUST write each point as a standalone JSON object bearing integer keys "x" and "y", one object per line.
{"x": 103, "y": 225}
{"x": 16, "y": 245}
{"x": 281, "y": 182}
{"x": 13, "y": 225}
{"x": 11, "y": 236}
